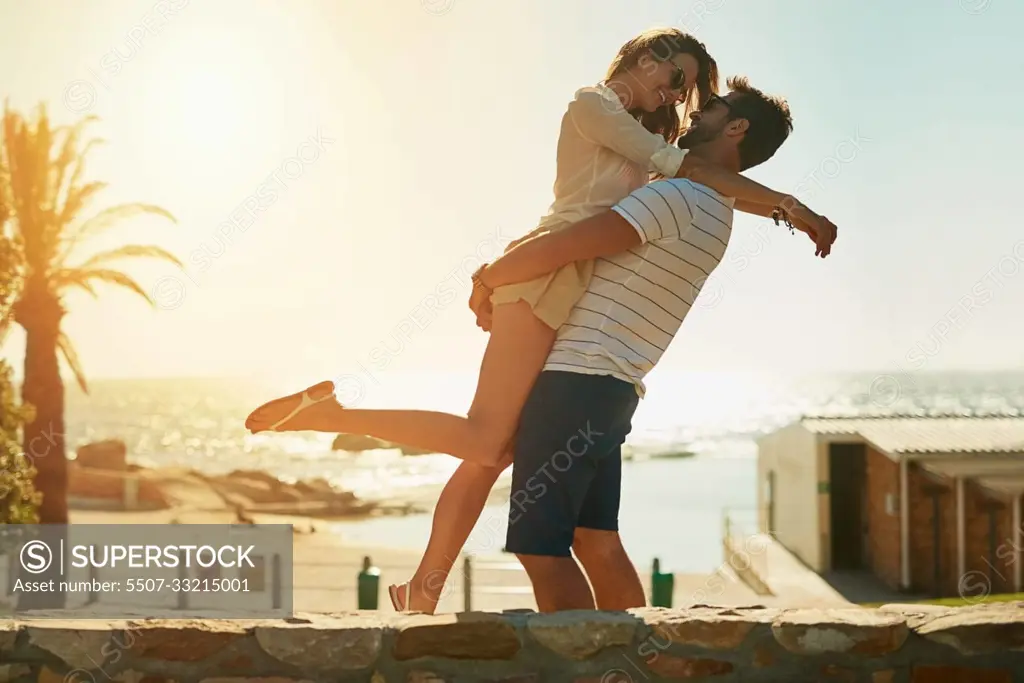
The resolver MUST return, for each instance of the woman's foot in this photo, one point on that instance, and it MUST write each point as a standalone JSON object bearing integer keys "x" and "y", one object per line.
{"x": 399, "y": 596}
{"x": 400, "y": 599}
{"x": 289, "y": 413}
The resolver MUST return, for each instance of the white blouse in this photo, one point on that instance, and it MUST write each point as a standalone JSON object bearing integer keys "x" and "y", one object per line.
{"x": 603, "y": 155}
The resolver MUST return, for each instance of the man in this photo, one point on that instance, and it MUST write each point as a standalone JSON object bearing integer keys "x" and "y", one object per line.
{"x": 654, "y": 250}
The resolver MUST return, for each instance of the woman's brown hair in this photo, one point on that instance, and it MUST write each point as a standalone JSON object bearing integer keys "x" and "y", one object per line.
{"x": 660, "y": 45}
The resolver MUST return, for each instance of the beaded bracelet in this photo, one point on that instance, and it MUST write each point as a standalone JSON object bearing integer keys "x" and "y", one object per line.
{"x": 475, "y": 278}
{"x": 778, "y": 213}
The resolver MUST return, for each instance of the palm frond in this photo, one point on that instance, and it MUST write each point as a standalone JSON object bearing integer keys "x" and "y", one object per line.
{"x": 79, "y": 160}
{"x": 130, "y": 251}
{"x": 19, "y": 163}
{"x": 72, "y": 277}
{"x": 107, "y": 218}
{"x": 78, "y": 196}
{"x": 71, "y": 356}
{"x": 69, "y": 153}
{"x": 45, "y": 165}
{"x": 43, "y": 142}
{"x": 28, "y": 146}
{"x": 79, "y": 277}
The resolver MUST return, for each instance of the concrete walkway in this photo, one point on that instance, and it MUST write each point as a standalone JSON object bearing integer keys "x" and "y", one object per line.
{"x": 792, "y": 583}
{"x": 861, "y": 586}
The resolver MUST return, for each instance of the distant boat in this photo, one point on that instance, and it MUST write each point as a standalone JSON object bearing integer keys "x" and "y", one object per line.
{"x": 672, "y": 455}
{"x": 631, "y": 454}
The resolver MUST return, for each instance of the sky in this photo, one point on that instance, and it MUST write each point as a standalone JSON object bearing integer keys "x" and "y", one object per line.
{"x": 392, "y": 145}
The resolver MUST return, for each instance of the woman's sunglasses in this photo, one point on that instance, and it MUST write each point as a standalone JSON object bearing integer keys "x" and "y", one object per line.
{"x": 677, "y": 81}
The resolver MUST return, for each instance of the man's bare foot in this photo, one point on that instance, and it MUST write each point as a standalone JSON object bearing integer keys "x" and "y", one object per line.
{"x": 285, "y": 414}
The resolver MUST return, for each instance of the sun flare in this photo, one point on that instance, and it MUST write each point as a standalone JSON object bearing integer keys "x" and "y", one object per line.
{"x": 211, "y": 106}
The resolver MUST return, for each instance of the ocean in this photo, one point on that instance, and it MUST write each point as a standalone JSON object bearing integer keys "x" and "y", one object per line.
{"x": 671, "y": 508}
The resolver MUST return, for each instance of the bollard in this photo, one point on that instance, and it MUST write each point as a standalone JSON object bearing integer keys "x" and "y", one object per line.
{"x": 368, "y": 586}
{"x": 94, "y": 580}
{"x": 275, "y": 585}
{"x": 183, "y": 586}
{"x": 13, "y": 566}
{"x": 662, "y": 586}
{"x": 467, "y": 584}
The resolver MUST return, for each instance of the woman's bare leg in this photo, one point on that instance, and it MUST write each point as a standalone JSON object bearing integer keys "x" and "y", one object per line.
{"x": 459, "y": 507}
{"x": 515, "y": 354}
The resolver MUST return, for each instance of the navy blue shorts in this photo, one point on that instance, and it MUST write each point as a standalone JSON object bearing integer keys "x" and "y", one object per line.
{"x": 567, "y": 471}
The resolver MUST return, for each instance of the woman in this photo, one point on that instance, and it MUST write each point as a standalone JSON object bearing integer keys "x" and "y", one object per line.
{"x": 613, "y": 137}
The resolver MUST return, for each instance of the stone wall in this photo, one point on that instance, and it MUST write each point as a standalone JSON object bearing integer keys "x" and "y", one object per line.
{"x": 893, "y": 644}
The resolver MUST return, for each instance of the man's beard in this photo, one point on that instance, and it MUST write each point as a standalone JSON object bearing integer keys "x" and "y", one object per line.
{"x": 695, "y": 135}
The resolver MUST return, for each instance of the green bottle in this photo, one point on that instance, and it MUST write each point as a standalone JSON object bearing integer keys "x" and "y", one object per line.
{"x": 368, "y": 585}
{"x": 662, "y": 586}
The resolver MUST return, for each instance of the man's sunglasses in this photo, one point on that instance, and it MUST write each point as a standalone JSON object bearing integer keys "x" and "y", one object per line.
{"x": 716, "y": 99}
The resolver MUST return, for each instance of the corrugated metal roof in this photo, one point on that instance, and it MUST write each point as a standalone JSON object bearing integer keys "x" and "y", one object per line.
{"x": 981, "y": 465}
{"x": 1006, "y": 485}
{"x": 917, "y": 434}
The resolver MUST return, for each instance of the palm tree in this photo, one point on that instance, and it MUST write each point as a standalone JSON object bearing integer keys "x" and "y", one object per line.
{"x": 41, "y": 172}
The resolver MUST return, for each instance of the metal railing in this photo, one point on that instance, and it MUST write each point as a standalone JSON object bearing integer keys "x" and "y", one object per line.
{"x": 468, "y": 563}
{"x": 745, "y": 545}
{"x": 463, "y": 578}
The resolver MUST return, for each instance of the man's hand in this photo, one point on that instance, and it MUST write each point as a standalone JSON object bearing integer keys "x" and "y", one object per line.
{"x": 823, "y": 233}
{"x": 825, "y": 237}
{"x": 484, "y": 316}
{"x": 820, "y": 229}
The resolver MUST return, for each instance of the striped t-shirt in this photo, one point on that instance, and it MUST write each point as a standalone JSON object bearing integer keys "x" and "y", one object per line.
{"x": 637, "y": 300}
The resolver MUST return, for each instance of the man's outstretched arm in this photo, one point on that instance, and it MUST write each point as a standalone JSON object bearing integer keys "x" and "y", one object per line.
{"x": 605, "y": 234}
{"x": 754, "y": 198}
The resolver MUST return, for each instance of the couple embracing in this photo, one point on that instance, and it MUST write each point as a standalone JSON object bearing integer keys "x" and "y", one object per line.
{"x": 579, "y": 311}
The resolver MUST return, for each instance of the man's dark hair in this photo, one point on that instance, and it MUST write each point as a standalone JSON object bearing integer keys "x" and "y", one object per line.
{"x": 769, "y": 117}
